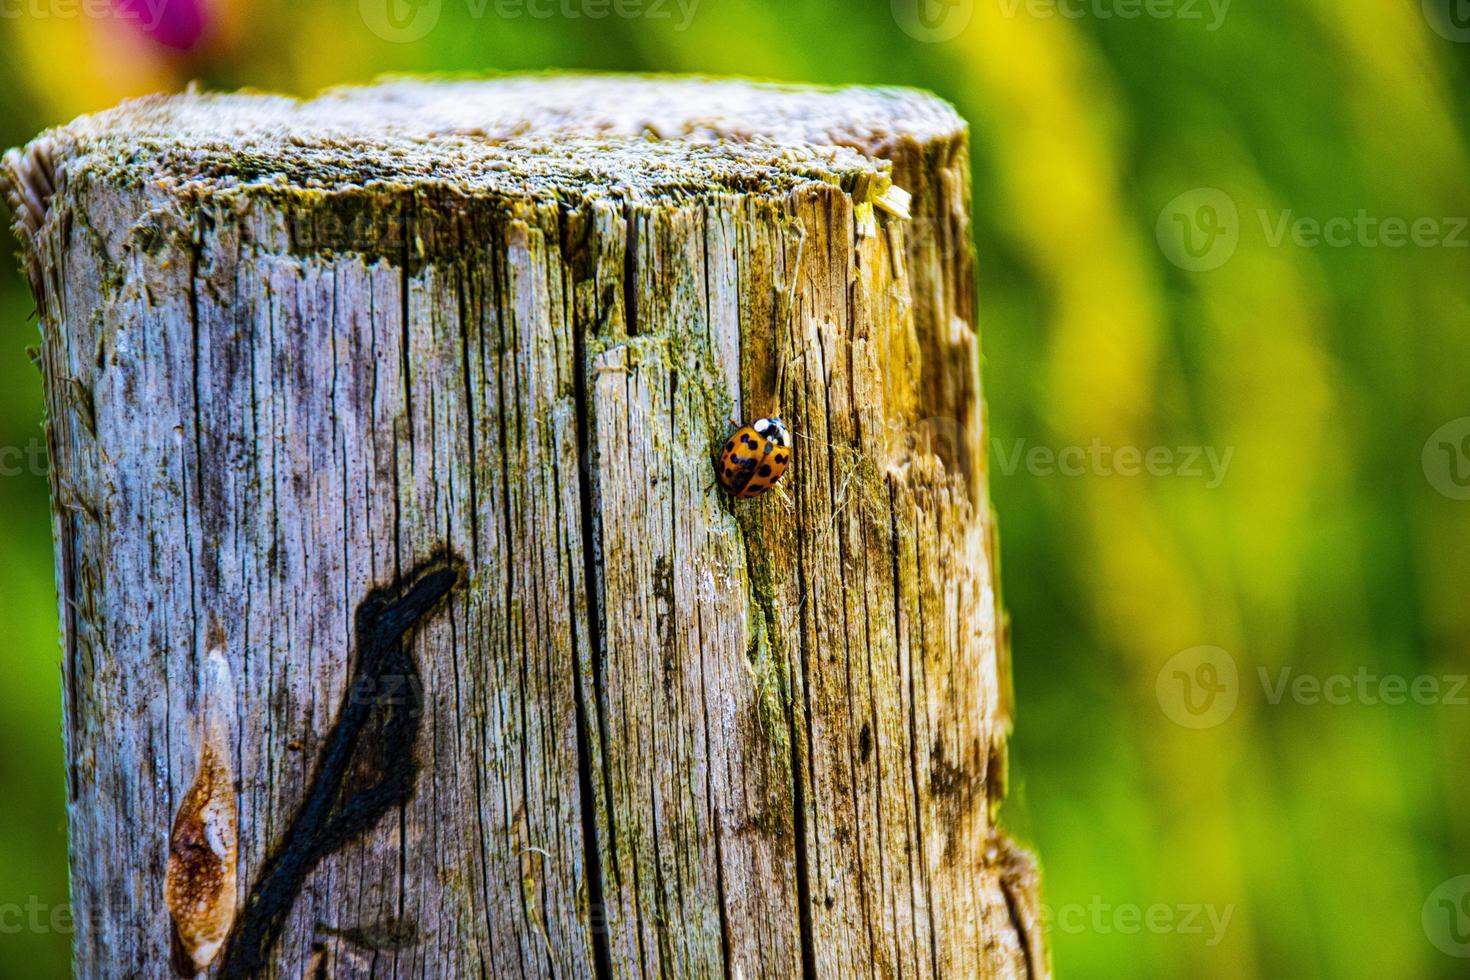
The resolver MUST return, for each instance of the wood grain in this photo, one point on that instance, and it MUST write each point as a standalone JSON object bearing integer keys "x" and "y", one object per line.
{"x": 294, "y": 350}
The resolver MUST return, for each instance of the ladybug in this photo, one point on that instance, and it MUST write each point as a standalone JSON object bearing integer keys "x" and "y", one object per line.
{"x": 755, "y": 457}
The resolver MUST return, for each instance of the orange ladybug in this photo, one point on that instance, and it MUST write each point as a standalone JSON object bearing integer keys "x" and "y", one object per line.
{"x": 755, "y": 457}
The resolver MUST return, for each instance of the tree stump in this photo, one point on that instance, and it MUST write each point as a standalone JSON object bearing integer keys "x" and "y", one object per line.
{"x": 406, "y": 631}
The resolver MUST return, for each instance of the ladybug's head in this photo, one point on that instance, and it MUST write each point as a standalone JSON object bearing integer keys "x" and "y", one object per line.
{"x": 774, "y": 429}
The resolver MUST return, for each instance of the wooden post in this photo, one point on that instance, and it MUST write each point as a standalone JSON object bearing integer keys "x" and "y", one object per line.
{"x": 405, "y": 628}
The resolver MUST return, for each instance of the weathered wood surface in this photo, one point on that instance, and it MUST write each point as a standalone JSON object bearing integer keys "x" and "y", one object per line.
{"x": 293, "y": 351}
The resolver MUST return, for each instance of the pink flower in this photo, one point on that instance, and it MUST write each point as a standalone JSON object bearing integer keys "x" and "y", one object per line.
{"x": 172, "y": 23}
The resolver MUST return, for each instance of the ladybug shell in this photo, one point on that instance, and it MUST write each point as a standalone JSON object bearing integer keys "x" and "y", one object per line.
{"x": 755, "y": 457}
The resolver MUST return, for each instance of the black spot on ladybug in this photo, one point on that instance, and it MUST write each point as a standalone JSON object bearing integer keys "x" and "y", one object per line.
{"x": 780, "y": 458}
{"x": 764, "y": 471}
{"x": 748, "y": 462}
{"x": 730, "y": 445}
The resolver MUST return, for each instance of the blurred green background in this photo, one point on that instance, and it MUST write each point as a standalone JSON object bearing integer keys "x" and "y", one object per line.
{"x": 1230, "y": 234}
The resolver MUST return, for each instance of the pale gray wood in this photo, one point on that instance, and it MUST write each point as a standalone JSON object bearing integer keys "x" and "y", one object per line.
{"x": 293, "y": 349}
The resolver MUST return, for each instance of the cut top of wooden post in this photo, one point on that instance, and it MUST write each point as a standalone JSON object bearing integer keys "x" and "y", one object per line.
{"x": 544, "y": 135}
{"x": 551, "y": 106}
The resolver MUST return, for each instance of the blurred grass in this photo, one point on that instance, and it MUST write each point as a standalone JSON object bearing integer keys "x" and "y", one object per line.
{"x": 1321, "y": 828}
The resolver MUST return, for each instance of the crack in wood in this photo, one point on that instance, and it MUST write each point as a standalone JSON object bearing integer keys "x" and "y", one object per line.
{"x": 592, "y": 592}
